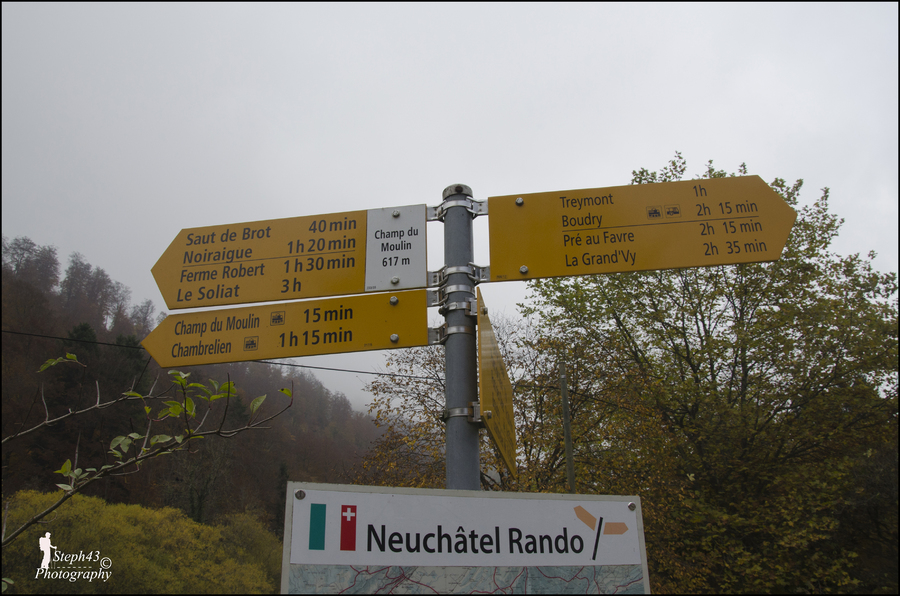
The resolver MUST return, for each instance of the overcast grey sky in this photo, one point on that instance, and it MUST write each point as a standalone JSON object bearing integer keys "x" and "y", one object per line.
{"x": 123, "y": 124}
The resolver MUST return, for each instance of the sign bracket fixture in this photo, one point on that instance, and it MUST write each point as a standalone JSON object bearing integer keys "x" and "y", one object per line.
{"x": 432, "y": 297}
{"x": 445, "y": 291}
{"x": 470, "y": 306}
{"x": 476, "y": 273}
{"x": 474, "y": 207}
{"x": 440, "y": 296}
{"x": 473, "y": 413}
{"x": 439, "y": 335}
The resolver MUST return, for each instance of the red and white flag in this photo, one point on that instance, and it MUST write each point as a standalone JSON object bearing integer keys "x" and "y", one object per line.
{"x": 348, "y": 527}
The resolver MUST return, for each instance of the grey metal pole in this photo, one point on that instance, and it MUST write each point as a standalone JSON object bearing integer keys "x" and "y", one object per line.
{"x": 460, "y": 368}
{"x": 567, "y": 425}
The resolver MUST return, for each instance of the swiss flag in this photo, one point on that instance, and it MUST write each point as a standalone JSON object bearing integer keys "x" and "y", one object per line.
{"x": 348, "y": 527}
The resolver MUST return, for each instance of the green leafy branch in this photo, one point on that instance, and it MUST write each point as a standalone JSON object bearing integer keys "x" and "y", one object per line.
{"x": 98, "y": 405}
{"x": 131, "y": 450}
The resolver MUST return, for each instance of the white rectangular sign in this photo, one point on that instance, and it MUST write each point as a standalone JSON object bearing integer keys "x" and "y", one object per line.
{"x": 395, "y": 248}
{"x": 429, "y": 528}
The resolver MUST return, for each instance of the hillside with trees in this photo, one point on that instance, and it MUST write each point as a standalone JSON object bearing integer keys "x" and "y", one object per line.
{"x": 48, "y": 313}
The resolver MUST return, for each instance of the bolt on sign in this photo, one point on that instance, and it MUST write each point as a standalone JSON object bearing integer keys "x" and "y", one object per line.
{"x": 379, "y": 539}
{"x": 293, "y": 258}
{"x": 693, "y": 223}
{"x": 325, "y": 326}
{"x": 495, "y": 391}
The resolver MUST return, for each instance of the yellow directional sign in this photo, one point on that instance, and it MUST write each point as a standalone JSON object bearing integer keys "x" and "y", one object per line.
{"x": 495, "y": 391}
{"x": 693, "y": 223}
{"x": 298, "y": 257}
{"x": 328, "y": 326}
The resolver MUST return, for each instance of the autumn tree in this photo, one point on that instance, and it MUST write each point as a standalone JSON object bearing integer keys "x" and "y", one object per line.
{"x": 760, "y": 395}
{"x": 30, "y": 277}
{"x": 30, "y": 263}
{"x": 407, "y": 407}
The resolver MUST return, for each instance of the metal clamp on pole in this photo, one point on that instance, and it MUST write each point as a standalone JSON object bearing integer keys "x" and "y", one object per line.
{"x": 447, "y": 290}
{"x": 472, "y": 413}
{"x": 439, "y": 212}
{"x": 439, "y": 335}
{"x": 474, "y": 207}
{"x": 470, "y": 306}
{"x": 441, "y": 296}
{"x": 455, "y": 413}
{"x": 476, "y": 273}
{"x": 460, "y": 329}
{"x": 467, "y": 269}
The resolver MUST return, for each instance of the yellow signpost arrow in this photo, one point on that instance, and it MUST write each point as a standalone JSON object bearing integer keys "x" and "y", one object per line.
{"x": 693, "y": 223}
{"x": 293, "y": 258}
{"x": 495, "y": 391}
{"x": 328, "y": 326}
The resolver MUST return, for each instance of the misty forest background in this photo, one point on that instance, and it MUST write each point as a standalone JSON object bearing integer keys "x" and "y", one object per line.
{"x": 318, "y": 439}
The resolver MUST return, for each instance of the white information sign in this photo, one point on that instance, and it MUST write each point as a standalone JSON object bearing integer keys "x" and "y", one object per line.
{"x": 460, "y": 541}
{"x": 395, "y": 248}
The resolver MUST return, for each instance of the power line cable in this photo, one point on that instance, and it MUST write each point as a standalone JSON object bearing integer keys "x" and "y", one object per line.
{"x": 361, "y": 372}
{"x": 84, "y": 341}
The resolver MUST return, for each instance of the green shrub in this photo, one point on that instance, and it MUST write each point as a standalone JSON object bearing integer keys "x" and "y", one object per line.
{"x": 150, "y": 550}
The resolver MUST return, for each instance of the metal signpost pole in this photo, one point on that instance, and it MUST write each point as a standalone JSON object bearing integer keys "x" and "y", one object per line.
{"x": 460, "y": 369}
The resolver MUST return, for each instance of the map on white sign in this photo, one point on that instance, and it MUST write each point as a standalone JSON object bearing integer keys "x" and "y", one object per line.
{"x": 368, "y": 539}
